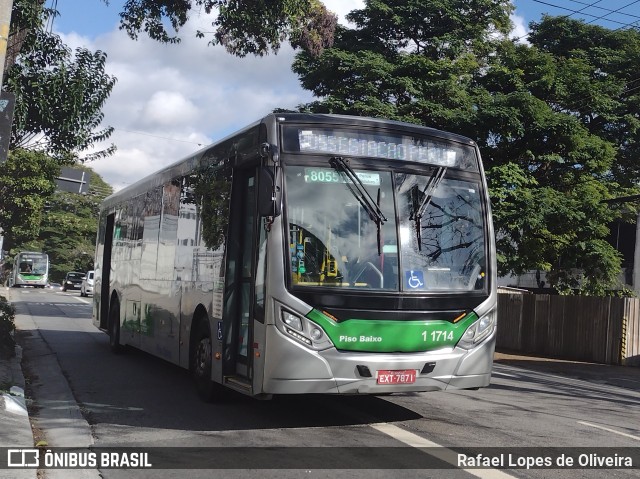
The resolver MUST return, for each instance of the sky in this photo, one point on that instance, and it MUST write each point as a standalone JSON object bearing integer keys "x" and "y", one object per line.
{"x": 171, "y": 100}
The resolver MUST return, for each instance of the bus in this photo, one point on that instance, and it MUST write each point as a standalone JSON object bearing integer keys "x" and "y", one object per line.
{"x": 307, "y": 253}
{"x": 30, "y": 268}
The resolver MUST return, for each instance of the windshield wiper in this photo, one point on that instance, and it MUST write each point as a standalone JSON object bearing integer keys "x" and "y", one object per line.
{"x": 419, "y": 207}
{"x": 360, "y": 193}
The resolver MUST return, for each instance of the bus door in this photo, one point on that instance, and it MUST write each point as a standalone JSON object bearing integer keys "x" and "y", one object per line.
{"x": 240, "y": 279}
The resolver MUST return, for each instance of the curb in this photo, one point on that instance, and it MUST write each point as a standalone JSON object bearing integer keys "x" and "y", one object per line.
{"x": 14, "y": 415}
{"x": 14, "y": 400}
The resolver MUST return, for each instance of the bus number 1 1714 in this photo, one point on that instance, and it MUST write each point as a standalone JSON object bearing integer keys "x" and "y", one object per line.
{"x": 438, "y": 336}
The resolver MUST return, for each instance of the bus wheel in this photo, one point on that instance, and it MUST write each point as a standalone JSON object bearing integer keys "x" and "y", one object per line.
{"x": 201, "y": 362}
{"x": 114, "y": 327}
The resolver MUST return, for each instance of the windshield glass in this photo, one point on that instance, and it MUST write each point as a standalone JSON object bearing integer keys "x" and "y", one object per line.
{"x": 441, "y": 232}
{"x": 34, "y": 264}
{"x": 334, "y": 242}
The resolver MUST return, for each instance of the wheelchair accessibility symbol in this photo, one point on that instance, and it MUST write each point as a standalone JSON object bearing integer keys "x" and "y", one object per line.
{"x": 414, "y": 279}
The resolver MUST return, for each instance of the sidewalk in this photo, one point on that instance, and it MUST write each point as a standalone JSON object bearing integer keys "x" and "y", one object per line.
{"x": 15, "y": 430}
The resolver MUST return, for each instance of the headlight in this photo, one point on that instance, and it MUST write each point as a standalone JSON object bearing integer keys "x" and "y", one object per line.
{"x": 479, "y": 330}
{"x": 292, "y": 320}
{"x": 316, "y": 333}
{"x": 301, "y": 329}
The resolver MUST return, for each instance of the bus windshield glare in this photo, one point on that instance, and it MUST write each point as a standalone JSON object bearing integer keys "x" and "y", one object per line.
{"x": 435, "y": 242}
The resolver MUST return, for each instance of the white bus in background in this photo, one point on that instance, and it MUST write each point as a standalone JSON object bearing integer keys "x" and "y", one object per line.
{"x": 30, "y": 268}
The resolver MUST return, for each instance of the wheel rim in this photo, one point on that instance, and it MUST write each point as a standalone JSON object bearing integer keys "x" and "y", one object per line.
{"x": 203, "y": 357}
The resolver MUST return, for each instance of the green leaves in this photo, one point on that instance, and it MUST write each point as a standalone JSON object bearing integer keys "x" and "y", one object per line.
{"x": 243, "y": 27}
{"x": 26, "y": 181}
{"x": 556, "y": 121}
{"x": 59, "y": 97}
{"x": 67, "y": 226}
{"x": 7, "y": 327}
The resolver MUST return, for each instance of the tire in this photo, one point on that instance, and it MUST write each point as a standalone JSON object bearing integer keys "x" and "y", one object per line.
{"x": 114, "y": 327}
{"x": 201, "y": 360}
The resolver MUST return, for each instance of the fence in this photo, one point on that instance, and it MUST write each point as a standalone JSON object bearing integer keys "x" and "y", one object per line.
{"x": 601, "y": 330}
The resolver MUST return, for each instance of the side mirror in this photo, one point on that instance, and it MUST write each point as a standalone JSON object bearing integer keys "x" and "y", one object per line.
{"x": 269, "y": 192}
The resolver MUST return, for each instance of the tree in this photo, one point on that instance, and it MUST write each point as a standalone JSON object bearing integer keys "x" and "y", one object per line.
{"x": 440, "y": 64}
{"x": 603, "y": 91}
{"x": 242, "y": 26}
{"x": 7, "y": 327}
{"x": 407, "y": 60}
{"x": 548, "y": 173}
{"x": 69, "y": 226}
{"x": 57, "y": 115}
{"x": 27, "y": 180}
{"x": 59, "y": 96}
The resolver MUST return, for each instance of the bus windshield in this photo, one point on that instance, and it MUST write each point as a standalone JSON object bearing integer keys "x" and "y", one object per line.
{"x": 332, "y": 239}
{"x": 435, "y": 242}
{"x": 30, "y": 263}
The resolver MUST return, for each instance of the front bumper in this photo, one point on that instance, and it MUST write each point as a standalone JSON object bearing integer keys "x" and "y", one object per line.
{"x": 294, "y": 369}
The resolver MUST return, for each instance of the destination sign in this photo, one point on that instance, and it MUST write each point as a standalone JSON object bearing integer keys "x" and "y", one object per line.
{"x": 389, "y": 146}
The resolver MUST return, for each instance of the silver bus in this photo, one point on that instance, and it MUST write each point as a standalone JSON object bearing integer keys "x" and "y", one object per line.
{"x": 30, "y": 268}
{"x": 307, "y": 254}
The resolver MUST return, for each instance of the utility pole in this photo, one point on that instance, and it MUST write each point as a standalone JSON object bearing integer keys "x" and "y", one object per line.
{"x": 5, "y": 22}
{"x": 7, "y": 99}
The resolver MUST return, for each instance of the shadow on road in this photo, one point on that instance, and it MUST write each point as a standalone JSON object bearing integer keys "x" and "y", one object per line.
{"x": 138, "y": 390}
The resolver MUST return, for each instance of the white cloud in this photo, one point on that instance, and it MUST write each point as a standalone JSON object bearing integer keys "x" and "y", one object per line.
{"x": 342, "y": 7}
{"x": 520, "y": 28}
{"x": 166, "y": 108}
{"x": 170, "y": 100}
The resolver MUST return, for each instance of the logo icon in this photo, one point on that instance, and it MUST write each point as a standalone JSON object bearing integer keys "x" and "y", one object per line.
{"x": 414, "y": 279}
{"x": 23, "y": 458}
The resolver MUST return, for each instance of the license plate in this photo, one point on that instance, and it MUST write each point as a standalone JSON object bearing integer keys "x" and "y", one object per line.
{"x": 404, "y": 376}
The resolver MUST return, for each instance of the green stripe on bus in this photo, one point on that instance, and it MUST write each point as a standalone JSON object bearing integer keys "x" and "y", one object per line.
{"x": 386, "y": 336}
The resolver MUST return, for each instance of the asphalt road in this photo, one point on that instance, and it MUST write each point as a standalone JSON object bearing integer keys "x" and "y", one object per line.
{"x": 86, "y": 396}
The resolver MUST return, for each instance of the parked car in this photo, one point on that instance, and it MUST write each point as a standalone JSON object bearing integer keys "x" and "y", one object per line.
{"x": 86, "y": 288}
{"x": 73, "y": 280}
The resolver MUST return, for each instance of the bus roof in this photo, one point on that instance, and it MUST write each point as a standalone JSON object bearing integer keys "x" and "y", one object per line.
{"x": 186, "y": 164}
{"x": 349, "y": 120}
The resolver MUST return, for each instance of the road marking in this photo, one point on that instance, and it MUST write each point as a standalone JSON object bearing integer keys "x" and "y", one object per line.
{"x": 610, "y": 430}
{"x": 496, "y": 373}
{"x": 446, "y": 455}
